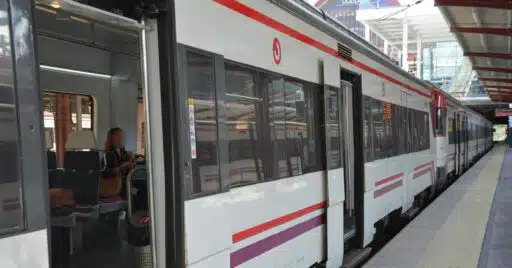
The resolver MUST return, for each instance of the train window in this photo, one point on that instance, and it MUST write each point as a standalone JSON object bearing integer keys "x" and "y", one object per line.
{"x": 403, "y": 127}
{"x": 470, "y": 131}
{"x": 441, "y": 119}
{"x": 413, "y": 131}
{"x": 11, "y": 215}
{"x": 422, "y": 125}
{"x": 334, "y": 131}
{"x": 379, "y": 135}
{"x": 367, "y": 128}
{"x": 295, "y": 125}
{"x": 397, "y": 137}
{"x": 274, "y": 127}
{"x": 424, "y": 130}
{"x": 243, "y": 109}
{"x": 63, "y": 114}
{"x": 315, "y": 143}
{"x": 387, "y": 110}
{"x": 451, "y": 136}
{"x": 276, "y": 116}
{"x": 201, "y": 93}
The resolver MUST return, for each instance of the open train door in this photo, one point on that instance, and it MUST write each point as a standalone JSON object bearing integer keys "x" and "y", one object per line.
{"x": 24, "y": 218}
{"x": 466, "y": 142}
{"x": 458, "y": 144}
{"x": 335, "y": 188}
{"x": 455, "y": 144}
{"x": 23, "y": 179}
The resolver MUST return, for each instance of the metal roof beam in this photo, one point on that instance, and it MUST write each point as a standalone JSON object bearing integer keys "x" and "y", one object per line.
{"x": 482, "y": 30}
{"x": 501, "y": 4}
{"x": 493, "y": 79}
{"x": 497, "y": 87}
{"x": 504, "y": 56}
{"x": 483, "y": 41}
{"x": 425, "y": 40}
{"x": 491, "y": 69}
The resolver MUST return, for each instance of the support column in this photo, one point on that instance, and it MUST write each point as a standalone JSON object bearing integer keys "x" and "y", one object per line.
{"x": 419, "y": 58}
{"x": 405, "y": 40}
{"x": 62, "y": 125}
{"x": 386, "y": 47}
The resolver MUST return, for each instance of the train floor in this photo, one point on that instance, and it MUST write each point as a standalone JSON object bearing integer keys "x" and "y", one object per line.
{"x": 468, "y": 225}
{"x": 101, "y": 248}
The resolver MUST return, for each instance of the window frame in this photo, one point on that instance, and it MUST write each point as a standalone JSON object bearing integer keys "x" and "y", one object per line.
{"x": 222, "y": 147}
{"x": 219, "y": 63}
{"x": 93, "y": 108}
{"x": 32, "y": 172}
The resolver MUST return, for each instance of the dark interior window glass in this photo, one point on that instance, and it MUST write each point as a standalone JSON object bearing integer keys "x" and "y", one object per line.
{"x": 387, "y": 109}
{"x": 202, "y": 99}
{"x": 11, "y": 215}
{"x": 379, "y": 134}
{"x": 277, "y": 126}
{"x": 367, "y": 128}
{"x": 243, "y": 110}
{"x": 334, "y": 131}
{"x": 296, "y": 126}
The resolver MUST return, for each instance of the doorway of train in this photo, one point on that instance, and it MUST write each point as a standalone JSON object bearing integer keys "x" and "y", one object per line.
{"x": 343, "y": 111}
{"x": 100, "y": 112}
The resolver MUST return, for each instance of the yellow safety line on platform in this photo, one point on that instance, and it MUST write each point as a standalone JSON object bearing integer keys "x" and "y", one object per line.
{"x": 458, "y": 242}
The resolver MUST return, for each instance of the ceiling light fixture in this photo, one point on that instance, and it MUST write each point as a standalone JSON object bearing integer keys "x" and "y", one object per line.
{"x": 76, "y": 72}
{"x": 55, "y": 4}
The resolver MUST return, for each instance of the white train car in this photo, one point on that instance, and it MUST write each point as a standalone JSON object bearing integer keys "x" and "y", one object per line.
{"x": 291, "y": 140}
{"x": 281, "y": 216}
{"x": 463, "y": 136}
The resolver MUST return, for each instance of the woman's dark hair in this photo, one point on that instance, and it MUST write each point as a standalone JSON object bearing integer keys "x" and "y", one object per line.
{"x": 110, "y": 134}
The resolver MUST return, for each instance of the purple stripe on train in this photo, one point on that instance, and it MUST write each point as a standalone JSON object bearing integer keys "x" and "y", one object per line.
{"x": 258, "y": 248}
{"x": 387, "y": 188}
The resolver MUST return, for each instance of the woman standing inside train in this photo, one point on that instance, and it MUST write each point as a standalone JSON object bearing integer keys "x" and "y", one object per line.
{"x": 118, "y": 162}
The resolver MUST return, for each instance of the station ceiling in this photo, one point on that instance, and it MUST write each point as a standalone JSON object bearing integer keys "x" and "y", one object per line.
{"x": 483, "y": 29}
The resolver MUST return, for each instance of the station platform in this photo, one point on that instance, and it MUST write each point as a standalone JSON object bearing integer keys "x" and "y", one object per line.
{"x": 469, "y": 225}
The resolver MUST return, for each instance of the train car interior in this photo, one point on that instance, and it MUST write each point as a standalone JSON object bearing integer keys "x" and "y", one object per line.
{"x": 94, "y": 121}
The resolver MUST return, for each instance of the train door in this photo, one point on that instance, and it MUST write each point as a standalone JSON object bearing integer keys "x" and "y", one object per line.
{"x": 459, "y": 144}
{"x": 340, "y": 151}
{"x": 100, "y": 73}
{"x": 23, "y": 214}
{"x": 455, "y": 144}
{"x": 465, "y": 138}
{"x": 338, "y": 228}
{"x": 348, "y": 146}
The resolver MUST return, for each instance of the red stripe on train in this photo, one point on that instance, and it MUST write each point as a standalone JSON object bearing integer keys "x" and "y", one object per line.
{"x": 377, "y": 183}
{"x": 278, "y": 26}
{"x": 242, "y": 235}
{"x": 424, "y": 165}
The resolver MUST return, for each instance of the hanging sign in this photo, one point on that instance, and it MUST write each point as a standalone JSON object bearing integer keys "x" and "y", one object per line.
{"x": 192, "y": 123}
{"x": 386, "y": 107}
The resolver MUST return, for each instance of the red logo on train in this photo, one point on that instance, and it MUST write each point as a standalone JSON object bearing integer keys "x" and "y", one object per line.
{"x": 276, "y": 51}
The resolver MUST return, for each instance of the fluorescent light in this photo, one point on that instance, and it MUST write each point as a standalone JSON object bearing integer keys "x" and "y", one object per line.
{"x": 474, "y": 98}
{"x": 47, "y": 10}
{"x": 79, "y": 19}
{"x": 55, "y": 4}
{"x": 71, "y": 71}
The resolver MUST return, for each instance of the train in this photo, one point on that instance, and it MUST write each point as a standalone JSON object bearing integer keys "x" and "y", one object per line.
{"x": 298, "y": 143}
{"x": 327, "y": 140}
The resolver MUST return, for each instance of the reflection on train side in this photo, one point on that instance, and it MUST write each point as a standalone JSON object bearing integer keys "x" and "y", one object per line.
{"x": 10, "y": 198}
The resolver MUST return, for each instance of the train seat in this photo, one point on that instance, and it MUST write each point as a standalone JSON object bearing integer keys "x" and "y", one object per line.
{"x": 82, "y": 167}
{"x": 54, "y": 174}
